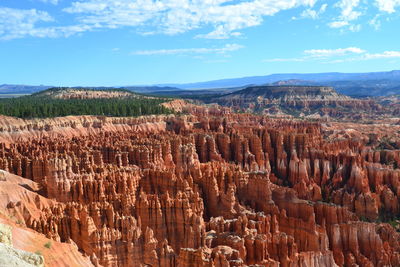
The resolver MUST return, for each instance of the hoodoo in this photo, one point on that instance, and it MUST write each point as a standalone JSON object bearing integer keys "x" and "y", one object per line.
{"x": 211, "y": 188}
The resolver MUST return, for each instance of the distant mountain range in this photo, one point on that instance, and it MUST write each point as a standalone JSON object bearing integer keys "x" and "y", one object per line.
{"x": 21, "y": 89}
{"x": 314, "y": 77}
{"x": 353, "y": 84}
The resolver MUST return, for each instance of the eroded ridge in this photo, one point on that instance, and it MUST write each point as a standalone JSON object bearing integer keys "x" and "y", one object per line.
{"x": 217, "y": 190}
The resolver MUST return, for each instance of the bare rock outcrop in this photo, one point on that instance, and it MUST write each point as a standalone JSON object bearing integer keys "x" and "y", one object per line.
{"x": 10, "y": 256}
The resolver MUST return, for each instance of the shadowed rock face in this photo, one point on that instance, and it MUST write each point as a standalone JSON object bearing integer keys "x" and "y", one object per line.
{"x": 210, "y": 189}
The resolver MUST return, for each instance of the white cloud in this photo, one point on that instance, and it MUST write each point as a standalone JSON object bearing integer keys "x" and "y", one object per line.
{"x": 59, "y": 31}
{"x": 313, "y": 14}
{"x": 347, "y": 14}
{"x": 338, "y": 24}
{"x": 385, "y": 54}
{"x": 219, "y": 33}
{"x": 333, "y": 52}
{"x": 323, "y": 8}
{"x": 355, "y": 27}
{"x": 189, "y": 51}
{"x": 347, "y": 7}
{"x": 223, "y": 19}
{"x": 17, "y": 23}
{"x": 179, "y": 16}
{"x": 369, "y": 56}
{"x": 387, "y": 5}
{"x": 375, "y": 22}
{"x": 309, "y": 13}
{"x": 338, "y": 55}
{"x": 341, "y": 24}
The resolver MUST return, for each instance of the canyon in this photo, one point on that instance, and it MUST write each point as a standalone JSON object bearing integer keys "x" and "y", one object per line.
{"x": 209, "y": 187}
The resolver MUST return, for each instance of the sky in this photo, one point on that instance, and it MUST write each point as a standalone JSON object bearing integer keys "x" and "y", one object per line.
{"x": 145, "y": 42}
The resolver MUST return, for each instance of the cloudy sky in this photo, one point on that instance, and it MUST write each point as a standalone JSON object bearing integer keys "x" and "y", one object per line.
{"x": 130, "y": 42}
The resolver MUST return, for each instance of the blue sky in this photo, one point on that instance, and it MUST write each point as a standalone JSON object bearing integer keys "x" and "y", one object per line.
{"x": 132, "y": 42}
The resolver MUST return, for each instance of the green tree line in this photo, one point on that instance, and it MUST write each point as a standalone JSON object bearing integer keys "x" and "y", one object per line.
{"x": 44, "y": 107}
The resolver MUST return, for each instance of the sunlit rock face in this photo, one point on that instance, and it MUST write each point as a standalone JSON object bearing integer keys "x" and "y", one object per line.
{"x": 209, "y": 188}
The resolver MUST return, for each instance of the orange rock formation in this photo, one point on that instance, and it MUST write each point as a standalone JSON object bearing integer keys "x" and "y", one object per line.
{"x": 206, "y": 189}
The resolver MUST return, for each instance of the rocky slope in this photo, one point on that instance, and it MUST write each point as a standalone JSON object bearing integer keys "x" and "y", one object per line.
{"x": 303, "y": 101}
{"x": 19, "y": 199}
{"x": 207, "y": 189}
{"x": 10, "y": 256}
{"x": 286, "y": 93}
